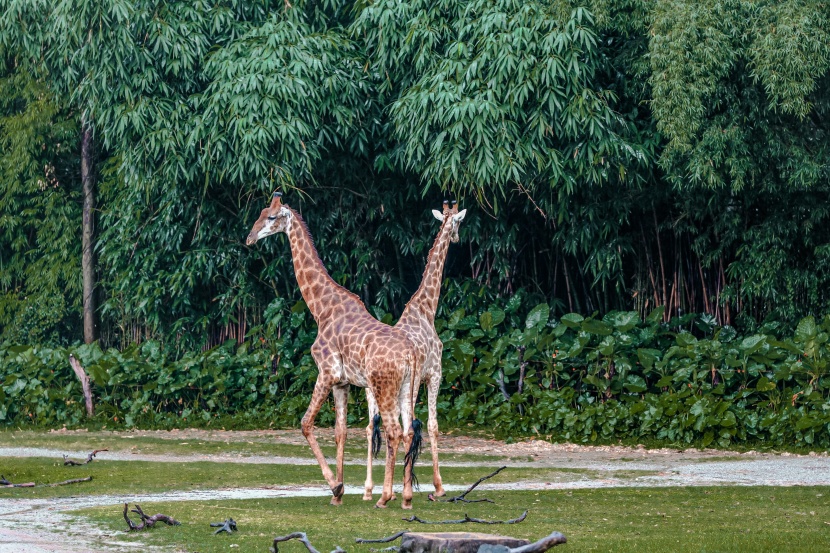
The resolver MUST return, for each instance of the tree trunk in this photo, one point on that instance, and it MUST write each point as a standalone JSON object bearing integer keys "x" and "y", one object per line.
{"x": 88, "y": 237}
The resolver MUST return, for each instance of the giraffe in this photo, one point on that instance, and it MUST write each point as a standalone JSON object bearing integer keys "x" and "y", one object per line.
{"x": 352, "y": 347}
{"x": 418, "y": 322}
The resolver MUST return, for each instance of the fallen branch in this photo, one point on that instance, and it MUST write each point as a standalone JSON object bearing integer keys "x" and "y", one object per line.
{"x": 385, "y": 549}
{"x": 471, "y": 488}
{"x": 65, "y": 482}
{"x": 67, "y": 462}
{"x": 6, "y": 484}
{"x": 146, "y": 521}
{"x": 228, "y": 526}
{"x": 556, "y": 538}
{"x": 467, "y": 518}
{"x": 387, "y": 539}
{"x": 303, "y": 538}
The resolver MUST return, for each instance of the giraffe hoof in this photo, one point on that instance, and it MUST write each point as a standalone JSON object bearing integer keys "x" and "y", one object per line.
{"x": 406, "y": 505}
{"x": 380, "y": 505}
{"x": 336, "y": 501}
{"x": 337, "y": 491}
{"x": 367, "y": 496}
{"x": 439, "y": 492}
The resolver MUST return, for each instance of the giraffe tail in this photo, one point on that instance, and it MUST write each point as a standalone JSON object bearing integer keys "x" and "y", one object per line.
{"x": 414, "y": 451}
{"x": 376, "y": 435}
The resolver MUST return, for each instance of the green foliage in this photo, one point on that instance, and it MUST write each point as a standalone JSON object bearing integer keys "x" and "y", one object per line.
{"x": 614, "y": 155}
{"x": 39, "y": 211}
{"x": 586, "y": 379}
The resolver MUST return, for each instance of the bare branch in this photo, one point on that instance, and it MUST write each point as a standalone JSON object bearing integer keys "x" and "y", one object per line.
{"x": 6, "y": 484}
{"x": 71, "y": 481}
{"x": 303, "y": 538}
{"x": 228, "y": 526}
{"x": 147, "y": 521}
{"x": 467, "y": 518}
{"x": 387, "y": 539}
{"x": 67, "y": 462}
{"x": 461, "y": 497}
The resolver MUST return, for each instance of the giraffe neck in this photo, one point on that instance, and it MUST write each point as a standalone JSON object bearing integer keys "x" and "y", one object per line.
{"x": 425, "y": 300}
{"x": 320, "y": 292}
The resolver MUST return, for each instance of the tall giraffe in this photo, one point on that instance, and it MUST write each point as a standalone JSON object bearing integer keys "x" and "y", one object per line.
{"x": 352, "y": 347}
{"x": 418, "y": 322}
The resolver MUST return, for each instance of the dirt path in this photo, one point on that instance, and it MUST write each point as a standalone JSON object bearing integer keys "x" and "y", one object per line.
{"x": 42, "y": 525}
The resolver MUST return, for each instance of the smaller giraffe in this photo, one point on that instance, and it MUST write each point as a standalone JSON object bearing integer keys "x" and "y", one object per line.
{"x": 418, "y": 322}
{"x": 352, "y": 347}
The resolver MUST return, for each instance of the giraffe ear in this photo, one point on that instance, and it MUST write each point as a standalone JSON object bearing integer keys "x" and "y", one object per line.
{"x": 438, "y": 215}
{"x": 459, "y": 216}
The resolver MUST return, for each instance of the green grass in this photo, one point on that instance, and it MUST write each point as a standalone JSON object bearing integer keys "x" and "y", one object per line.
{"x": 638, "y": 520}
{"x": 131, "y": 477}
{"x": 174, "y": 443}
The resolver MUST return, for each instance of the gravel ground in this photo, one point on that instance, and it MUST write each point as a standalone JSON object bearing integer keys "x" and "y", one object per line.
{"x": 40, "y": 526}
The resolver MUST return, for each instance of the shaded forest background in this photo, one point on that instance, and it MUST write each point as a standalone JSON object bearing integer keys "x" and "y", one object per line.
{"x": 611, "y": 155}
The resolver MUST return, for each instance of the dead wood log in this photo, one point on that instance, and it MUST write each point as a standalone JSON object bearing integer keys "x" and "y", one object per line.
{"x": 301, "y": 536}
{"x": 554, "y": 539}
{"x": 67, "y": 462}
{"x": 147, "y": 521}
{"x": 228, "y": 526}
{"x": 72, "y": 481}
{"x": 468, "y": 518}
{"x": 455, "y": 542}
{"x": 85, "y": 386}
{"x": 471, "y": 488}
{"x": 466, "y": 542}
{"x": 6, "y": 484}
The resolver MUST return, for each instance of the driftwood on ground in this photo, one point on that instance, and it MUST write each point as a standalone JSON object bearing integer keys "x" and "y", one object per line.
{"x": 301, "y": 536}
{"x": 462, "y": 497}
{"x": 387, "y": 539}
{"x": 70, "y": 481}
{"x": 468, "y": 518}
{"x": 228, "y": 526}
{"x": 6, "y": 484}
{"x": 85, "y": 386}
{"x": 465, "y": 542}
{"x": 67, "y": 462}
{"x": 147, "y": 521}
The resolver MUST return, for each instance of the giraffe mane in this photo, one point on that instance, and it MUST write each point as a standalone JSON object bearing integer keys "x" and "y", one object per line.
{"x": 299, "y": 219}
{"x": 426, "y": 268}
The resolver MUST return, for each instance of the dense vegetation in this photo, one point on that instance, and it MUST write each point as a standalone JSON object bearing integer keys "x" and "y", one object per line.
{"x": 575, "y": 378}
{"x": 615, "y": 157}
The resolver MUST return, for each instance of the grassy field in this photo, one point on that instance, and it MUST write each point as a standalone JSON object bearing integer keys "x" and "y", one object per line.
{"x": 135, "y": 477}
{"x": 739, "y": 519}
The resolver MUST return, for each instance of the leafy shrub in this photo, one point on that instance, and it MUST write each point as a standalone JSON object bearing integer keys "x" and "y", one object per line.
{"x": 585, "y": 379}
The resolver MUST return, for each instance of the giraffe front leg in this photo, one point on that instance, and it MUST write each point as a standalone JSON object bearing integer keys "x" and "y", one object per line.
{"x": 373, "y": 440}
{"x": 432, "y": 391}
{"x": 341, "y": 400}
{"x": 321, "y": 392}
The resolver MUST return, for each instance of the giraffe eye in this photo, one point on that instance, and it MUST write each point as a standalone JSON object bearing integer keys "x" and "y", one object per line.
{"x": 272, "y": 218}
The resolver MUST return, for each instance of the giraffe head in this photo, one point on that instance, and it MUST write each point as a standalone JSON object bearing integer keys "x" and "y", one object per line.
{"x": 273, "y": 219}
{"x": 452, "y": 217}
